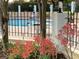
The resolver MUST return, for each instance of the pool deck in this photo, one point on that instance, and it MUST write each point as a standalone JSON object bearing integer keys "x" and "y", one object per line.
{"x": 75, "y": 54}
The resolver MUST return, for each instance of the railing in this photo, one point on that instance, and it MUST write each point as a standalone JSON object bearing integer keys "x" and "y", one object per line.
{"x": 26, "y": 25}
{"x": 73, "y": 19}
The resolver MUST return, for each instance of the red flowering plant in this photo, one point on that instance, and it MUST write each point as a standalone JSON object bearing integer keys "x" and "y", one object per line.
{"x": 46, "y": 47}
{"x": 66, "y": 36}
{"x": 66, "y": 32}
{"x": 37, "y": 49}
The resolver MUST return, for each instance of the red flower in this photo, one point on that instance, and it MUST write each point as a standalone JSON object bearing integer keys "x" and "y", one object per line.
{"x": 42, "y": 50}
{"x": 62, "y": 39}
{"x": 59, "y": 36}
{"x": 44, "y": 46}
{"x": 15, "y": 50}
{"x": 28, "y": 48}
{"x": 67, "y": 26}
{"x": 64, "y": 42}
{"x": 25, "y": 55}
{"x": 37, "y": 39}
{"x": 67, "y": 30}
{"x": 47, "y": 47}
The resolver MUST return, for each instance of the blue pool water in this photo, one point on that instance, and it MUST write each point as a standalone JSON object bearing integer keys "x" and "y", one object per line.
{"x": 23, "y": 22}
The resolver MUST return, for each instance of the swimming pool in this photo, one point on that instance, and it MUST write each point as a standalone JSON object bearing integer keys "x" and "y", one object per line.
{"x": 23, "y": 22}
{"x": 26, "y": 22}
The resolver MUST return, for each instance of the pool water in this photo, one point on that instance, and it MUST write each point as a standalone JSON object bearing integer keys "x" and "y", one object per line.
{"x": 23, "y": 22}
{"x": 26, "y": 22}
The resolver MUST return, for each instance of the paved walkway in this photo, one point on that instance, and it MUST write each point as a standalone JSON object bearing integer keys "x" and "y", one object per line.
{"x": 75, "y": 56}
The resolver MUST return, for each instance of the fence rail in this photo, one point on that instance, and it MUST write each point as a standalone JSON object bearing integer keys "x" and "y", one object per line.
{"x": 26, "y": 24}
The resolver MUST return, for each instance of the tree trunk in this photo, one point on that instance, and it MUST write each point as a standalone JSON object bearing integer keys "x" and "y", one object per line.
{"x": 42, "y": 13}
{"x": 5, "y": 24}
{"x": 5, "y": 32}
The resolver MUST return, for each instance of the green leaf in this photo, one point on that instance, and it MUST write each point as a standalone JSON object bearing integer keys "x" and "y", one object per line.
{"x": 45, "y": 57}
{"x": 67, "y": 1}
{"x": 17, "y": 57}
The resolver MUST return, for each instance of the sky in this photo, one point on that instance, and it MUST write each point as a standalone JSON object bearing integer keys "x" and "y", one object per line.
{"x": 10, "y": 0}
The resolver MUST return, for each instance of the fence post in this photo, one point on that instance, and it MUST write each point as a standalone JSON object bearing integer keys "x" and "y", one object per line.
{"x": 40, "y": 14}
{"x": 19, "y": 10}
{"x": 73, "y": 5}
{"x": 51, "y": 11}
